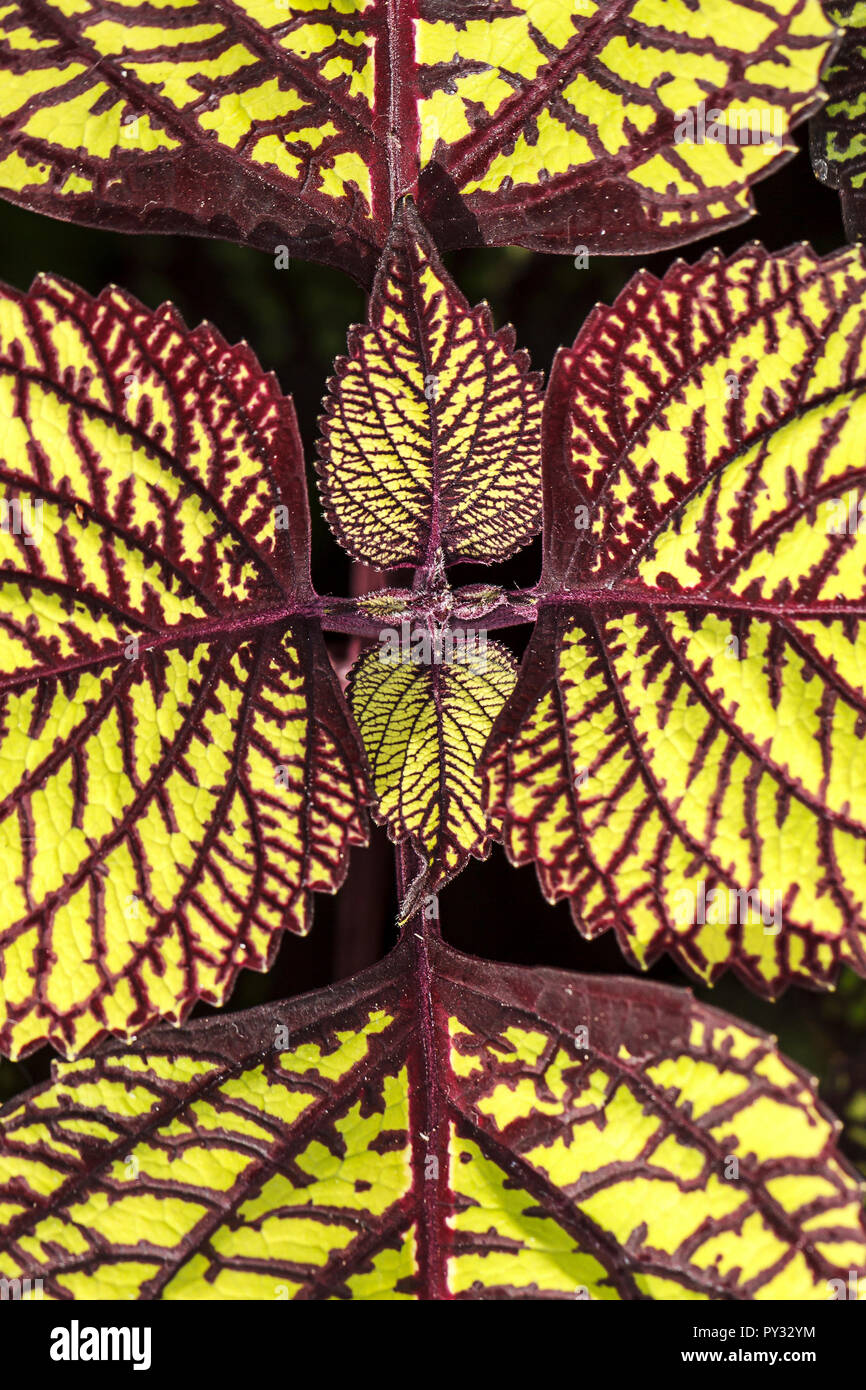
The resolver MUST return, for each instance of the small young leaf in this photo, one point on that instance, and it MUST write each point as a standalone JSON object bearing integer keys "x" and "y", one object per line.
{"x": 178, "y": 770}
{"x": 437, "y": 1128}
{"x": 432, "y": 432}
{"x": 838, "y": 131}
{"x": 424, "y": 715}
{"x": 612, "y": 127}
{"x": 683, "y": 755}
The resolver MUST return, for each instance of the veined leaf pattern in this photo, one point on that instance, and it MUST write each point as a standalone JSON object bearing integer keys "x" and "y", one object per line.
{"x": 178, "y": 770}
{"x": 424, "y": 724}
{"x": 432, "y": 433}
{"x": 532, "y": 122}
{"x": 437, "y": 1127}
{"x": 838, "y": 131}
{"x": 683, "y": 755}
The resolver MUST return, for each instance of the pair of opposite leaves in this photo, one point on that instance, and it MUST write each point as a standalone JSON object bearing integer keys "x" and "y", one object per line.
{"x": 302, "y": 122}
{"x": 436, "y": 1127}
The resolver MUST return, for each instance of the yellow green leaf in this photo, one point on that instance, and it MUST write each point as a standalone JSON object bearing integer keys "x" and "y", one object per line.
{"x": 436, "y": 1128}
{"x": 425, "y": 702}
{"x": 178, "y": 771}
{"x": 431, "y": 437}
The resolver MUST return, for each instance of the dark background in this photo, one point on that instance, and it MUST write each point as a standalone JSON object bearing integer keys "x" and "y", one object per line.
{"x": 296, "y": 321}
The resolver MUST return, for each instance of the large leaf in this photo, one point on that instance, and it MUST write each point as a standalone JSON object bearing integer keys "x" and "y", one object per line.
{"x": 425, "y": 704}
{"x": 436, "y": 1128}
{"x": 683, "y": 755}
{"x": 177, "y": 768}
{"x": 432, "y": 433}
{"x": 304, "y": 122}
{"x": 838, "y": 132}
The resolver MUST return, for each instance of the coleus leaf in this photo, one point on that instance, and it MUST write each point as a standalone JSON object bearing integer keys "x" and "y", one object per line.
{"x": 683, "y": 754}
{"x": 840, "y": 1024}
{"x": 437, "y": 1127}
{"x": 855, "y": 1117}
{"x": 178, "y": 770}
{"x": 431, "y": 438}
{"x": 425, "y": 705}
{"x": 838, "y": 131}
{"x": 303, "y": 124}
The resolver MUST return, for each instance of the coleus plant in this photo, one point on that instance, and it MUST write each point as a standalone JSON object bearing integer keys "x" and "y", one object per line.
{"x": 268, "y": 122}
{"x": 181, "y": 770}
